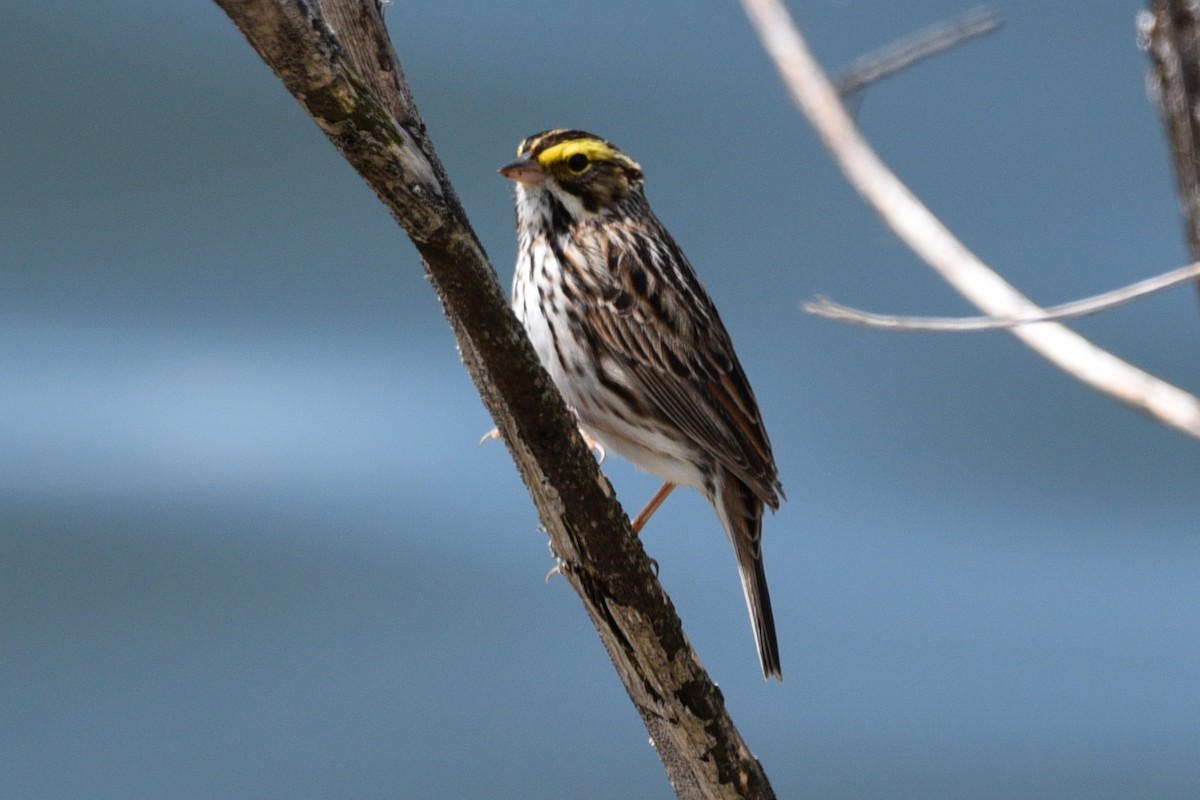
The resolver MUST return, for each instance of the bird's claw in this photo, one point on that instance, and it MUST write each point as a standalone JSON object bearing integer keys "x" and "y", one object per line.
{"x": 559, "y": 564}
{"x": 594, "y": 446}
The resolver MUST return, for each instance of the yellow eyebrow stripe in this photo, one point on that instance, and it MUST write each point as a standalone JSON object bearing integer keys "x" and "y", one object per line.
{"x": 594, "y": 149}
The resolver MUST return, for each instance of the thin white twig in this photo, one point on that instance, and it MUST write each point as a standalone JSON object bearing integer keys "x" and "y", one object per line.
{"x": 929, "y": 238}
{"x": 824, "y": 307}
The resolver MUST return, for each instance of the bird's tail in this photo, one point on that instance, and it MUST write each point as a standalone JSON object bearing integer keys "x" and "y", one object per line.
{"x": 741, "y": 513}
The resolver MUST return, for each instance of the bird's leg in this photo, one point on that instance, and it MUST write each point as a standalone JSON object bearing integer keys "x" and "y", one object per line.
{"x": 652, "y": 506}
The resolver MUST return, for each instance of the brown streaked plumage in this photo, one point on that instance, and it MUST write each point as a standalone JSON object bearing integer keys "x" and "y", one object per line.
{"x": 634, "y": 343}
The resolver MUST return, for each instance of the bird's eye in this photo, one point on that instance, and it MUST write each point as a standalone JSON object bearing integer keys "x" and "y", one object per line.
{"x": 577, "y": 163}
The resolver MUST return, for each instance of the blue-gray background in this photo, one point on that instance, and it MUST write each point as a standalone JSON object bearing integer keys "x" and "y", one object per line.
{"x": 248, "y": 547}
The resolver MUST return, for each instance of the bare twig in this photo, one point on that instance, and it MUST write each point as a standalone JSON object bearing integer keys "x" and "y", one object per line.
{"x": 336, "y": 58}
{"x": 824, "y": 307}
{"x": 916, "y": 47}
{"x": 930, "y": 239}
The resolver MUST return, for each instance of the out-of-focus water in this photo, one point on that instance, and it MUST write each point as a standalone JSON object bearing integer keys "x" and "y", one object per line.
{"x": 249, "y": 548}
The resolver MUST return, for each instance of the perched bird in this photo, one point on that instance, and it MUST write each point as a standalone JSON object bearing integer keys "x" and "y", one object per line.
{"x": 634, "y": 344}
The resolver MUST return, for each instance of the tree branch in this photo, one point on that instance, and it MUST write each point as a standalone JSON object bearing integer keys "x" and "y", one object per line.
{"x": 824, "y": 307}
{"x": 336, "y": 58}
{"x": 909, "y": 50}
{"x": 1170, "y": 32}
{"x": 932, "y": 241}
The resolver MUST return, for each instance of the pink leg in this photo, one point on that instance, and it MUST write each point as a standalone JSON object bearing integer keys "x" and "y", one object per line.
{"x": 652, "y": 506}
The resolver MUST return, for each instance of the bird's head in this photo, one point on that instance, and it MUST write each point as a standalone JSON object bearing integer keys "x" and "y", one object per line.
{"x": 579, "y": 168}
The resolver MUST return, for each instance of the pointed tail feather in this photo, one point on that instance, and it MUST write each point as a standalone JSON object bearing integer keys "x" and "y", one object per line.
{"x": 758, "y": 599}
{"x": 741, "y": 514}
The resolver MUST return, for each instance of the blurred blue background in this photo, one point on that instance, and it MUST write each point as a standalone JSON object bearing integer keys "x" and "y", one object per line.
{"x": 248, "y": 545}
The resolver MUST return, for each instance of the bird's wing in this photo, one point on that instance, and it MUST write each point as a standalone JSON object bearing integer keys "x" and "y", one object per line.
{"x": 658, "y": 322}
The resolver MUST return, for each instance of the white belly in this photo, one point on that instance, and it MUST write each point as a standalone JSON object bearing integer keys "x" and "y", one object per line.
{"x": 657, "y": 449}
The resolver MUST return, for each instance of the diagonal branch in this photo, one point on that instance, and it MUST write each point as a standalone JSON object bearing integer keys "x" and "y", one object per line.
{"x": 336, "y": 58}
{"x": 824, "y": 307}
{"x": 932, "y": 241}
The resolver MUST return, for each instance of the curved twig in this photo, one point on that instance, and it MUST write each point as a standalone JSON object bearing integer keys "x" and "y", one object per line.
{"x": 824, "y": 307}
{"x": 932, "y": 241}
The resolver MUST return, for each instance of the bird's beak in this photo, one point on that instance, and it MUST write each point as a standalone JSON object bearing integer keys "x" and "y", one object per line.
{"x": 524, "y": 170}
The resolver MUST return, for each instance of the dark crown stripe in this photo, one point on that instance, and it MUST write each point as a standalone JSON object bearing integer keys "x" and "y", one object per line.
{"x": 540, "y": 141}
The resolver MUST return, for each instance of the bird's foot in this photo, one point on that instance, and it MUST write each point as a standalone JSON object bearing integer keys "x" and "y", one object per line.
{"x": 593, "y": 445}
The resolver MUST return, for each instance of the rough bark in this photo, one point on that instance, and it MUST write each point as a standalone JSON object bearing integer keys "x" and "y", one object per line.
{"x": 336, "y": 58}
{"x": 1171, "y": 34}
